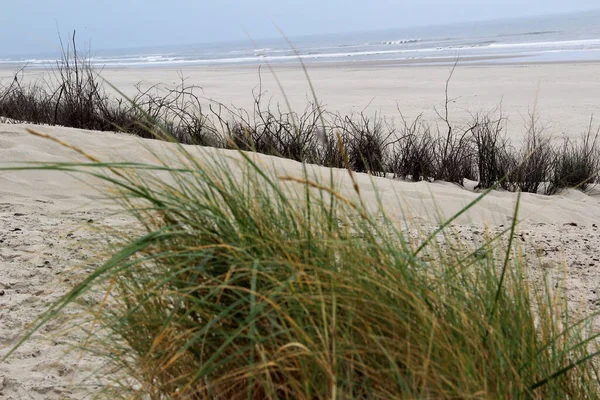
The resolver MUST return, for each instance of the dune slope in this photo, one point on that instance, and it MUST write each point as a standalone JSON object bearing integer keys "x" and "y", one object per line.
{"x": 50, "y": 236}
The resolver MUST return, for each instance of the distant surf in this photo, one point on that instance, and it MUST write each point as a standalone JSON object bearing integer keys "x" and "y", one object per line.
{"x": 570, "y": 37}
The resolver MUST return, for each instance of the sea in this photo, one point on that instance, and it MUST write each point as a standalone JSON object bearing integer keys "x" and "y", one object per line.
{"x": 554, "y": 38}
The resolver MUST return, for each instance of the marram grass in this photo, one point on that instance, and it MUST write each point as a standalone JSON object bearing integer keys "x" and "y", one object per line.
{"x": 249, "y": 285}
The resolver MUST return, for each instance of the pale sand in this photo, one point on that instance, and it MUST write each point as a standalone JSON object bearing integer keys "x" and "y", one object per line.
{"x": 565, "y": 95}
{"x": 49, "y": 221}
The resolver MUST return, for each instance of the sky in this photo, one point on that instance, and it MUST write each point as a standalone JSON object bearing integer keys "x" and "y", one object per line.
{"x": 31, "y": 26}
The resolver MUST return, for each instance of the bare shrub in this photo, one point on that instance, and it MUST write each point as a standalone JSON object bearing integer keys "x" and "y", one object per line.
{"x": 454, "y": 155}
{"x": 25, "y": 102}
{"x": 272, "y": 132}
{"x": 171, "y": 113}
{"x": 492, "y": 151}
{"x": 332, "y": 146}
{"x": 79, "y": 99}
{"x": 293, "y": 135}
{"x": 453, "y": 148}
{"x": 576, "y": 163}
{"x": 413, "y": 156}
{"x": 366, "y": 142}
{"x": 533, "y": 164}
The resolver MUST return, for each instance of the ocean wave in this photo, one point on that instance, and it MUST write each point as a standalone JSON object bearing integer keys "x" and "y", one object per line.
{"x": 283, "y": 58}
{"x": 261, "y": 52}
{"x": 400, "y": 41}
{"x": 486, "y": 43}
{"x": 141, "y": 58}
{"x": 29, "y": 61}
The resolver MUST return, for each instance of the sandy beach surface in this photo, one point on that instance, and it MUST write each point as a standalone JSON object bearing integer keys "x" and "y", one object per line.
{"x": 563, "y": 95}
{"x": 51, "y": 223}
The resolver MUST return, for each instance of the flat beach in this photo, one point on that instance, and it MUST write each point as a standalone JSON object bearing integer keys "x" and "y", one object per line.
{"x": 50, "y": 221}
{"x": 564, "y": 95}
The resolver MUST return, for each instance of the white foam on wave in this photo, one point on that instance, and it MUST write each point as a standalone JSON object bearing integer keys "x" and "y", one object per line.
{"x": 28, "y": 61}
{"x": 401, "y": 41}
{"x": 259, "y": 52}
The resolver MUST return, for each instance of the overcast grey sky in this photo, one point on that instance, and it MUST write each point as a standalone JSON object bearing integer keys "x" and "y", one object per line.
{"x": 29, "y": 26}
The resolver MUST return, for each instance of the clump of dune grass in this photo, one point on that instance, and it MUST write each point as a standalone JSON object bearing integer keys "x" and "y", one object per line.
{"x": 247, "y": 283}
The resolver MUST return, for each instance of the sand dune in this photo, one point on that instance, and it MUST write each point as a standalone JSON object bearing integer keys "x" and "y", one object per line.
{"x": 431, "y": 202}
{"x": 49, "y": 225}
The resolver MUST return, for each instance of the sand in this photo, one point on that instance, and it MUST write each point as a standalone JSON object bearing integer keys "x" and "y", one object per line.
{"x": 50, "y": 222}
{"x": 563, "y": 95}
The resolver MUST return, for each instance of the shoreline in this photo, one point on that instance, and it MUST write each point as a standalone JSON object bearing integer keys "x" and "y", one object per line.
{"x": 442, "y": 62}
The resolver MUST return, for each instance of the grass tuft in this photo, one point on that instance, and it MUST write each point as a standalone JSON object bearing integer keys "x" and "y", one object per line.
{"x": 246, "y": 284}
